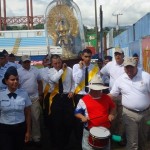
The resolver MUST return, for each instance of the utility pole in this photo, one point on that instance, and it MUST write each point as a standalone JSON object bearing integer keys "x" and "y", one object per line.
{"x": 4, "y": 7}
{"x": 101, "y": 32}
{"x": 117, "y": 26}
{"x": 96, "y": 28}
{"x": 0, "y": 16}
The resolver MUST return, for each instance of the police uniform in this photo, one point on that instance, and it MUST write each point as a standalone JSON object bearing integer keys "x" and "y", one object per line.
{"x": 12, "y": 119}
{"x": 2, "y": 72}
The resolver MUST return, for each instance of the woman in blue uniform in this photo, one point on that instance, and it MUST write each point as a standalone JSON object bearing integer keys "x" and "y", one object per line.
{"x": 14, "y": 113}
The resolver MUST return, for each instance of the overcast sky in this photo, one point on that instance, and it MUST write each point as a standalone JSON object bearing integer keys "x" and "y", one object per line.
{"x": 131, "y": 10}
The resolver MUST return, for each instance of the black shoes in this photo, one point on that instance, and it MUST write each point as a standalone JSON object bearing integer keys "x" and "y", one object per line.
{"x": 122, "y": 143}
{"x": 34, "y": 144}
{"x": 37, "y": 144}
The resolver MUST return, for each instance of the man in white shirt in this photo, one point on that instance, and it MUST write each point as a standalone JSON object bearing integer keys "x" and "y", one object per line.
{"x": 61, "y": 109}
{"x": 30, "y": 81}
{"x": 134, "y": 85}
{"x": 136, "y": 57}
{"x": 115, "y": 69}
{"x": 106, "y": 78}
{"x": 46, "y": 88}
{"x": 83, "y": 72}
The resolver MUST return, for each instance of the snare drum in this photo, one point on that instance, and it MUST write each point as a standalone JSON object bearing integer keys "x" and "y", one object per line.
{"x": 99, "y": 137}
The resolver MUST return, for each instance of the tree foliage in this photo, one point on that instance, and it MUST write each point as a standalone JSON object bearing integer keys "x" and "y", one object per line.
{"x": 24, "y": 27}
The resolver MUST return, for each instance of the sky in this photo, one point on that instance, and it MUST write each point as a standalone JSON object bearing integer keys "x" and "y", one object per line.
{"x": 131, "y": 10}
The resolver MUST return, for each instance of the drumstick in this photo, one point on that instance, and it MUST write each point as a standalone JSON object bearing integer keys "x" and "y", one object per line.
{"x": 95, "y": 118}
{"x": 116, "y": 138}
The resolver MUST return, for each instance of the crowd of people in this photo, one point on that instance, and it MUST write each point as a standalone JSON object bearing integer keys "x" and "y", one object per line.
{"x": 93, "y": 101}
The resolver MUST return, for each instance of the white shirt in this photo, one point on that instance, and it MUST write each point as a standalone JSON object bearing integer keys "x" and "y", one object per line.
{"x": 105, "y": 79}
{"x": 79, "y": 75}
{"x": 135, "y": 92}
{"x": 113, "y": 70}
{"x": 140, "y": 66}
{"x": 28, "y": 80}
{"x": 54, "y": 76}
{"x": 44, "y": 76}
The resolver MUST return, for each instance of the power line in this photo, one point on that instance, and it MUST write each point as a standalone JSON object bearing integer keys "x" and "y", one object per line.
{"x": 117, "y": 25}
{"x": 125, "y": 8}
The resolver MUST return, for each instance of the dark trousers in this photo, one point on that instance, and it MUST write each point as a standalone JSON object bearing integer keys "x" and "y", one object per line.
{"x": 46, "y": 110}
{"x": 12, "y": 136}
{"x": 61, "y": 121}
{"x": 78, "y": 125}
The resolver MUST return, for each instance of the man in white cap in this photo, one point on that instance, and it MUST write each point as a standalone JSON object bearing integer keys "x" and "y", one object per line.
{"x": 95, "y": 109}
{"x": 114, "y": 69}
{"x": 30, "y": 81}
{"x": 134, "y": 85}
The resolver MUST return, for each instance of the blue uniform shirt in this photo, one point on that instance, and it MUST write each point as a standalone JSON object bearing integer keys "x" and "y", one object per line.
{"x": 12, "y": 110}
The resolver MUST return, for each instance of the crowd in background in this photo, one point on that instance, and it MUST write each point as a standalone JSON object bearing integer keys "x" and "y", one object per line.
{"x": 114, "y": 92}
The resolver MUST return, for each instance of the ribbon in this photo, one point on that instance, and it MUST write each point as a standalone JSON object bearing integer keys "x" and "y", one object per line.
{"x": 55, "y": 91}
{"x": 92, "y": 73}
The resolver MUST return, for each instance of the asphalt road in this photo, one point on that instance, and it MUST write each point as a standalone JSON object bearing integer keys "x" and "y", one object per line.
{"x": 46, "y": 145}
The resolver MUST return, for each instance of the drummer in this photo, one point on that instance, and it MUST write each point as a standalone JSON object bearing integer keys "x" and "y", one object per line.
{"x": 95, "y": 109}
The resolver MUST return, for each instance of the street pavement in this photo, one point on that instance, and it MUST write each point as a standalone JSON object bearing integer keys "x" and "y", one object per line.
{"x": 46, "y": 145}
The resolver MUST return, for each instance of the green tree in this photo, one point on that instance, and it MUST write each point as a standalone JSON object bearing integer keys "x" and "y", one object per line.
{"x": 24, "y": 27}
{"x": 39, "y": 26}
